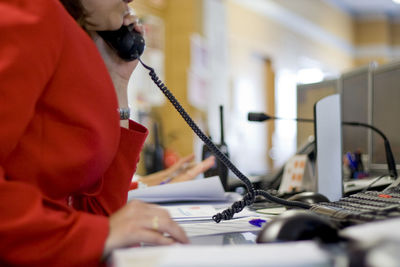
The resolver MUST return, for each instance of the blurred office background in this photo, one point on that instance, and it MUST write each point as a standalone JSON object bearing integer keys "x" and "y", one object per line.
{"x": 254, "y": 55}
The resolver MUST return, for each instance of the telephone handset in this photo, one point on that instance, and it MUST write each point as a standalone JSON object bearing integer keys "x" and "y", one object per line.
{"x": 128, "y": 43}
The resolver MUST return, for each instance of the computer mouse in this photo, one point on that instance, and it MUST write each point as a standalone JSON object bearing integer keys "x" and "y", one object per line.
{"x": 309, "y": 197}
{"x": 295, "y": 225}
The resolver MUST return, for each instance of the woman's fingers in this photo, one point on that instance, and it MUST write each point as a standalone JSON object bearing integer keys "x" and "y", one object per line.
{"x": 158, "y": 220}
{"x": 154, "y": 238}
{"x": 197, "y": 169}
{"x": 170, "y": 227}
{"x": 183, "y": 170}
{"x": 139, "y": 222}
{"x": 180, "y": 164}
{"x": 160, "y": 176}
{"x": 205, "y": 164}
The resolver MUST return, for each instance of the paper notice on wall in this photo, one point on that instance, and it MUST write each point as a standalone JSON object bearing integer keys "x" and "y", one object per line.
{"x": 293, "y": 174}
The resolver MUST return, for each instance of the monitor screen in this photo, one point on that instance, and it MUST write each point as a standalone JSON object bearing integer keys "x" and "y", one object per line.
{"x": 355, "y": 91}
{"x": 307, "y": 96}
{"x": 385, "y": 113}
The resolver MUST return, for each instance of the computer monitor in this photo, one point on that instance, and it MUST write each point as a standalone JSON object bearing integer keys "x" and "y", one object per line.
{"x": 355, "y": 91}
{"x": 385, "y": 113}
{"x": 307, "y": 96}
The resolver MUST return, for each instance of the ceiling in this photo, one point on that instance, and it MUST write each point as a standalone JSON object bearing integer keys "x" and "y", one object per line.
{"x": 368, "y": 7}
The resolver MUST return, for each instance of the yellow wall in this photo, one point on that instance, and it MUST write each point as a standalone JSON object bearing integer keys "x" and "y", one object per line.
{"x": 372, "y": 32}
{"x": 182, "y": 18}
{"x": 320, "y": 13}
{"x": 255, "y": 34}
{"x": 250, "y": 32}
{"x": 143, "y": 7}
{"x": 395, "y": 29}
{"x": 377, "y": 37}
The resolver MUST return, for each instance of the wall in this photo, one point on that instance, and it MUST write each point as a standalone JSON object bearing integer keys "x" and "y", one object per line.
{"x": 330, "y": 19}
{"x": 284, "y": 30}
{"x": 377, "y": 38}
{"x": 181, "y": 18}
{"x": 293, "y": 35}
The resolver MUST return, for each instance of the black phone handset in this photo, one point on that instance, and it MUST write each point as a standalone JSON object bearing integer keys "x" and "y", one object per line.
{"x": 128, "y": 43}
{"x": 118, "y": 41}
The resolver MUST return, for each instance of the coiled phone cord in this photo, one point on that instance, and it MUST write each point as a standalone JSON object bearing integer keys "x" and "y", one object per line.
{"x": 249, "y": 197}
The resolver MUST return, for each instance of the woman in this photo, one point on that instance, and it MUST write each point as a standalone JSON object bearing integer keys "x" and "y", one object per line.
{"x": 65, "y": 162}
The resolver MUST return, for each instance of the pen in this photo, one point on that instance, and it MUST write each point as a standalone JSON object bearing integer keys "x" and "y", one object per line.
{"x": 166, "y": 181}
{"x": 352, "y": 163}
{"x": 257, "y": 222}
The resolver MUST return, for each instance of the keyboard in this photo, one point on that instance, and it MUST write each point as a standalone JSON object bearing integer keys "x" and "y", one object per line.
{"x": 361, "y": 207}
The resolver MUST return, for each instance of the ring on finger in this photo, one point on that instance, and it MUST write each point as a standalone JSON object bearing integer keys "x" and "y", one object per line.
{"x": 155, "y": 223}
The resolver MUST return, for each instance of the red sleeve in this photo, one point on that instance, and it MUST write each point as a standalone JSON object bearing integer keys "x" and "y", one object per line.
{"x": 35, "y": 231}
{"x": 117, "y": 179}
{"x": 38, "y": 232}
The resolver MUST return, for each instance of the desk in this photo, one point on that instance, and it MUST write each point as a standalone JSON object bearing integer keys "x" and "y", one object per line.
{"x": 227, "y": 249}
{"x": 378, "y": 245}
{"x": 240, "y": 249}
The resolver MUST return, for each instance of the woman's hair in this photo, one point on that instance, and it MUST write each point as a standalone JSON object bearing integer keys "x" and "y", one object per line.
{"x": 76, "y": 10}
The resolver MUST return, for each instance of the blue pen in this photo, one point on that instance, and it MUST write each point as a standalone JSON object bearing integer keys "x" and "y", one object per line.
{"x": 166, "y": 181}
{"x": 353, "y": 164}
{"x": 257, "y": 222}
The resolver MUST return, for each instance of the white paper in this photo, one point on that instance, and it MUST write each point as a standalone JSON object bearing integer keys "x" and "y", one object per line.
{"x": 201, "y": 212}
{"x": 191, "y": 212}
{"x": 212, "y": 228}
{"x": 303, "y": 253}
{"x": 272, "y": 211}
{"x": 207, "y": 189}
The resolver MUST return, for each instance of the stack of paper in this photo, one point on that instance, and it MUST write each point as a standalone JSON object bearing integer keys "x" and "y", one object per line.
{"x": 181, "y": 213}
{"x": 196, "y": 220}
{"x": 239, "y": 225}
{"x": 208, "y": 189}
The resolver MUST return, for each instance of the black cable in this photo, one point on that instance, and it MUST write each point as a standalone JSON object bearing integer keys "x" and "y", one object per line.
{"x": 257, "y": 116}
{"x": 373, "y": 182}
{"x": 249, "y": 197}
{"x": 389, "y": 154}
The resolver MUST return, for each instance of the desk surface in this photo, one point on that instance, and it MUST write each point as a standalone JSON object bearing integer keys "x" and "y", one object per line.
{"x": 240, "y": 249}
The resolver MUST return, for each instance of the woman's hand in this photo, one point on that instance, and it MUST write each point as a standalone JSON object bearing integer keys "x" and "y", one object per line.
{"x": 183, "y": 170}
{"x": 138, "y": 222}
